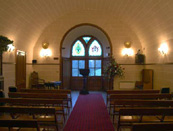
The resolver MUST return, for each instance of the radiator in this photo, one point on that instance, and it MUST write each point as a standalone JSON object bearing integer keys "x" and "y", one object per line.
{"x": 127, "y": 85}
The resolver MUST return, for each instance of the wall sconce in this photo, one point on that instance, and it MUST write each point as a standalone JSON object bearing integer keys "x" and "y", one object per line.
{"x": 45, "y": 52}
{"x": 11, "y": 47}
{"x": 127, "y": 51}
{"x": 163, "y": 49}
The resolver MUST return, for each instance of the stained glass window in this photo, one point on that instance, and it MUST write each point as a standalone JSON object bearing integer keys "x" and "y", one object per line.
{"x": 78, "y": 49}
{"x": 86, "y": 39}
{"x": 76, "y": 65}
{"x": 95, "y": 49}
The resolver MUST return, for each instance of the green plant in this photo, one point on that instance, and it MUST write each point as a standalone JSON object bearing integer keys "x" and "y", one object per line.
{"x": 4, "y": 41}
{"x": 113, "y": 69}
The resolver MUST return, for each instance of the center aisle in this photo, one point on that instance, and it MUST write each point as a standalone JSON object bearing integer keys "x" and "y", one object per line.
{"x": 89, "y": 114}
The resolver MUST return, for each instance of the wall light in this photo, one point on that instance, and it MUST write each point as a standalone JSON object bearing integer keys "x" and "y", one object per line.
{"x": 163, "y": 49}
{"x": 45, "y": 52}
{"x": 127, "y": 51}
{"x": 11, "y": 47}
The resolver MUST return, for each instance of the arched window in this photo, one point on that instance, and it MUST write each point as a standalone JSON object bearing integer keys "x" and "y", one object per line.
{"x": 95, "y": 49}
{"x": 78, "y": 49}
{"x": 86, "y": 53}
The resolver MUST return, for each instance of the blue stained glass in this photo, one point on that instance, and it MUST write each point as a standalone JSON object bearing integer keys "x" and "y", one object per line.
{"x": 78, "y": 49}
{"x": 74, "y": 63}
{"x": 95, "y": 49}
{"x": 91, "y": 63}
{"x": 86, "y": 39}
{"x": 81, "y": 64}
{"x": 98, "y": 72}
{"x": 91, "y": 72}
{"x": 98, "y": 63}
{"x": 75, "y": 72}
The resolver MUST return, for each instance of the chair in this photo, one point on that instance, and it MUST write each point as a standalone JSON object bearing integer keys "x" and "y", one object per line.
{"x": 12, "y": 89}
{"x": 36, "y": 82}
{"x": 139, "y": 85}
{"x": 165, "y": 90}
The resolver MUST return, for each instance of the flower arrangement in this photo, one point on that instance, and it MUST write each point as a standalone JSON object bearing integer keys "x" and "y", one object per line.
{"x": 113, "y": 69}
{"x": 4, "y": 41}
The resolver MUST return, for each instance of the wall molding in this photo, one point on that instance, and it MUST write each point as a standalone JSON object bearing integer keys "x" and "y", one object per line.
{"x": 13, "y": 63}
{"x": 9, "y": 63}
{"x": 170, "y": 63}
{"x": 43, "y": 64}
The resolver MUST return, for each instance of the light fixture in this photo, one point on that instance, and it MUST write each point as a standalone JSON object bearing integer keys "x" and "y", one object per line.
{"x": 11, "y": 47}
{"x": 45, "y": 52}
{"x": 127, "y": 51}
{"x": 163, "y": 49}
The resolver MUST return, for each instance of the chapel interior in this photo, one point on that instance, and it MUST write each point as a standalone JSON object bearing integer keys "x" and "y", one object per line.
{"x": 53, "y": 39}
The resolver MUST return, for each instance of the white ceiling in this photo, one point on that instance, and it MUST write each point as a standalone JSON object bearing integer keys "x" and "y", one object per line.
{"x": 24, "y": 20}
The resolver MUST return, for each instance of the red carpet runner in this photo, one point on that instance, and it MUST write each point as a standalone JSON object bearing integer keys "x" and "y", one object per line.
{"x": 89, "y": 114}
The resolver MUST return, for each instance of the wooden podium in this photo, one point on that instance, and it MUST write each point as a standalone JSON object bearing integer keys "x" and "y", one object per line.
{"x": 85, "y": 73}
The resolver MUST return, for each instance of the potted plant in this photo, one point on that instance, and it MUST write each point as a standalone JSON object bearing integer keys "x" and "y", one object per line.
{"x": 4, "y": 41}
{"x": 112, "y": 70}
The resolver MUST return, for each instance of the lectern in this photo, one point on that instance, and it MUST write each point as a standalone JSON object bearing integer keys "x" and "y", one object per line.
{"x": 84, "y": 73}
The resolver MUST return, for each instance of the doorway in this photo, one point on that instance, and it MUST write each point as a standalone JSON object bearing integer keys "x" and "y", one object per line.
{"x": 87, "y": 46}
{"x": 20, "y": 69}
{"x": 86, "y": 53}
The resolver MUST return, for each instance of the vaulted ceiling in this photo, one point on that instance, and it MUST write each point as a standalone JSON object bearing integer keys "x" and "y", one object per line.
{"x": 24, "y": 20}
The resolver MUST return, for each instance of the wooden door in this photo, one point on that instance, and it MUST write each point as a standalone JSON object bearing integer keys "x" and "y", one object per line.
{"x": 20, "y": 69}
{"x": 66, "y": 73}
{"x": 94, "y": 80}
{"x": 147, "y": 78}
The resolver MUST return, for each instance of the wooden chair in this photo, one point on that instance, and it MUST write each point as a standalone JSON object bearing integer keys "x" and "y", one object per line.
{"x": 19, "y": 123}
{"x": 35, "y": 81}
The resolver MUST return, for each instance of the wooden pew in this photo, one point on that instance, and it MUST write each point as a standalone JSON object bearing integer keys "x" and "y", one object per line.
{"x": 57, "y": 103}
{"x": 56, "y": 91}
{"x": 19, "y": 123}
{"x": 35, "y": 111}
{"x": 124, "y": 104}
{"x": 41, "y": 96}
{"x": 139, "y": 97}
{"x": 138, "y": 115}
{"x": 152, "y": 126}
{"x": 111, "y": 92}
{"x": 37, "y": 95}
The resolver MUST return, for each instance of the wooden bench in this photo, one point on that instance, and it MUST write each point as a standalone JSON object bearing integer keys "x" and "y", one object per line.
{"x": 152, "y": 126}
{"x": 64, "y": 97}
{"x": 19, "y": 123}
{"x": 124, "y": 104}
{"x": 56, "y": 103}
{"x": 30, "y": 113}
{"x": 139, "y": 97}
{"x": 143, "y": 115}
{"x": 60, "y": 91}
{"x": 111, "y": 92}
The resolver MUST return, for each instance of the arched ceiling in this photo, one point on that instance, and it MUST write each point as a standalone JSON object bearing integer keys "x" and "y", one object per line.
{"x": 24, "y": 20}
